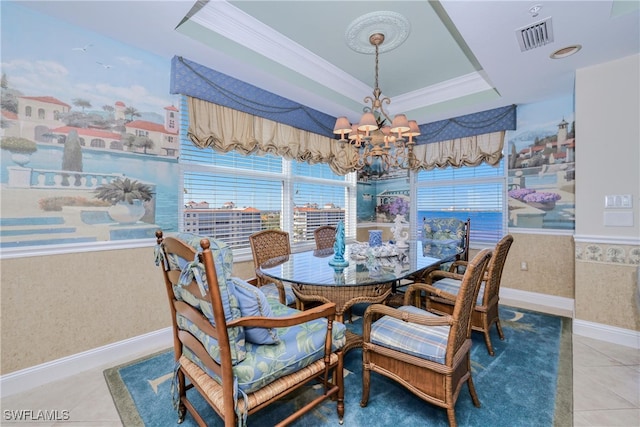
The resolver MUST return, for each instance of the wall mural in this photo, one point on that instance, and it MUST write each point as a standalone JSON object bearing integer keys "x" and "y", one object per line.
{"x": 89, "y": 136}
{"x": 541, "y": 163}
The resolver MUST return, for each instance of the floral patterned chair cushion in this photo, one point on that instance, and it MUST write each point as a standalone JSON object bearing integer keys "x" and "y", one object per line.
{"x": 192, "y": 270}
{"x": 298, "y": 346}
{"x": 445, "y": 230}
{"x": 443, "y": 234}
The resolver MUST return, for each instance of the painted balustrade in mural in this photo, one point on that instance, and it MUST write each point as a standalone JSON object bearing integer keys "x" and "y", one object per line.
{"x": 20, "y": 177}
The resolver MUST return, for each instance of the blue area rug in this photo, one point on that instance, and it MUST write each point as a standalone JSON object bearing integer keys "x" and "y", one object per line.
{"x": 527, "y": 383}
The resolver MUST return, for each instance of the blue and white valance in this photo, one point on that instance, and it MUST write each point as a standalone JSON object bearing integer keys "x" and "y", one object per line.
{"x": 496, "y": 120}
{"x": 227, "y": 114}
{"x": 198, "y": 81}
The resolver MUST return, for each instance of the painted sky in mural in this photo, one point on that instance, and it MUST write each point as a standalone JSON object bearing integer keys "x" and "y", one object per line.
{"x": 44, "y": 56}
{"x": 69, "y": 81}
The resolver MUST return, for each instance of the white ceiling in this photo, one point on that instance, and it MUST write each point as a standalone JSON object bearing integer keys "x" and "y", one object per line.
{"x": 460, "y": 56}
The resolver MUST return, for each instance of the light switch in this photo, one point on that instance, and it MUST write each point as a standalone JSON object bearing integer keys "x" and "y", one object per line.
{"x": 608, "y": 201}
{"x": 618, "y": 201}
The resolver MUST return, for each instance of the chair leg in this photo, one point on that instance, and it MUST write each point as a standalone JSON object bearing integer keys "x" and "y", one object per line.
{"x": 499, "y": 327}
{"x": 451, "y": 415}
{"x": 472, "y": 392}
{"x": 366, "y": 382}
{"x": 487, "y": 341}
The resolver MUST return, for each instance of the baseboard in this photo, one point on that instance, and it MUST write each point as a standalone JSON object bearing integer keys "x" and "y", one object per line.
{"x": 550, "y": 304}
{"x": 560, "y": 306}
{"x": 611, "y": 334}
{"x": 111, "y": 354}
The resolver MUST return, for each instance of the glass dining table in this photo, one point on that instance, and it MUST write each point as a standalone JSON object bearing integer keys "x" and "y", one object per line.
{"x": 371, "y": 275}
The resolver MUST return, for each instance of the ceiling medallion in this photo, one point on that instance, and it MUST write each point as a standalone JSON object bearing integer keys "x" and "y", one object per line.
{"x": 392, "y": 25}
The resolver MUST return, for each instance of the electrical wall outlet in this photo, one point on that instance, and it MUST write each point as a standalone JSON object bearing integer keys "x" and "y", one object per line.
{"x": 524, "y": 266}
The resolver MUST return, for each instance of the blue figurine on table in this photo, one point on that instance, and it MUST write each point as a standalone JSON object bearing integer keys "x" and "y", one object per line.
{"x": 338, "y": 248}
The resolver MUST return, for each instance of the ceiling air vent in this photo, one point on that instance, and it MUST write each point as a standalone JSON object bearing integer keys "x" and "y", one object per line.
{"x": 535, "y": 35}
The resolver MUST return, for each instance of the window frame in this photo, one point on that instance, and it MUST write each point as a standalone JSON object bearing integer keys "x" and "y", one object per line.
{"x": 501, "y": 180}
{"x": 287, "y": 178}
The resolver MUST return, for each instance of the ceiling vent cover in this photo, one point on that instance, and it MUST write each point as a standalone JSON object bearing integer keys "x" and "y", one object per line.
{"x": 535, "y": 35}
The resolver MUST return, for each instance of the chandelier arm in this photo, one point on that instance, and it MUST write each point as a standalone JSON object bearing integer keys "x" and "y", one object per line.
{"x": 378, "y": 148}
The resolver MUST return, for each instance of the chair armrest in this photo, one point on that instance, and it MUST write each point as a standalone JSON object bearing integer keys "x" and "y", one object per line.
{"x": 327, "y": 310}
{"x": 374, "y": 311}
{"x": 441, "y": 274}
{"x": 424, "y": 287}
{"x": 459, "y": 263}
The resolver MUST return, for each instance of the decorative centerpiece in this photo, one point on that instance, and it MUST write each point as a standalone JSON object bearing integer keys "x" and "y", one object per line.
{"x": 338, "y": 248}
{"x": 399, "y": 235}
{"x": 375, "y": 238}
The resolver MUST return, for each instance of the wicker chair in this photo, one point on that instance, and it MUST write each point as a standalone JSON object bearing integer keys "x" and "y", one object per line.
{"x": 220, "y": 324}
{"x": 485, "y": 312}
{"x": 426, "y": 353}
{"x": 325, "y": 236}
{"x": 266, "y": 245}
{"x": 445, "y": 232}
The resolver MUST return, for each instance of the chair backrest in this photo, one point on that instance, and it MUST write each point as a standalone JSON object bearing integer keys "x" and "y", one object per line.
{"x": 465, "y": 302}
{"x": 268, "y": 244}
{"x": 325, "y": 236}
{"x": 495, "y": 268}
{"x": 450, "y": 230}
{"x": 185, "y": 301}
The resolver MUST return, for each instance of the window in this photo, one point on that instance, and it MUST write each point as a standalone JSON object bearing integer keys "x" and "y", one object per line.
{"x": 41, "y": 113}
{"x": 230, "y": 196}
{"x": 475, "y": 192}
{"x": 27, "y": 111}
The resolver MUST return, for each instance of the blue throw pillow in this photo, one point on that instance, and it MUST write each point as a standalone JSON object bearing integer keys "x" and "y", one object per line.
{"x": 254, "y": 303}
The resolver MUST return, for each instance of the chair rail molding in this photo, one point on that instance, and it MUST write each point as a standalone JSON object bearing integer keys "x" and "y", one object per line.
{"x": 614, "y": 240}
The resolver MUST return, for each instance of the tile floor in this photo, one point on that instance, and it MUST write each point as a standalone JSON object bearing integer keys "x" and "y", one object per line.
{"x": 606, "y": 381}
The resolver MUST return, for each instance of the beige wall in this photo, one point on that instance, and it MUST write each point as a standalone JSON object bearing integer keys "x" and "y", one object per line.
{"x": 607, "y": 163}
{"x": 550, "y": 266}
{"x": 59, "y": 305}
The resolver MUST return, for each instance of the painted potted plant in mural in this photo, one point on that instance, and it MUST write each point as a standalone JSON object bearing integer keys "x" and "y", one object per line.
{"x": 126, "y": 197}
{"x": 520, "y": 193}
{"x": 20, "y": 149}
{"x": 388, "y": 211}
{"x": 542, "y": 200}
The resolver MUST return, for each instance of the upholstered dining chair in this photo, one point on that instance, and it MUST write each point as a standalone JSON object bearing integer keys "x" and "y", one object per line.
{"x": 226, "y": 333}
{"x": 448, "y": 231}
{"x": 266, "y": 245}
{"x": 325, "y": 236}
{"x": 429, "y": 354}
{"x": 485, "y": 311}
{"x": 445, "y": 232}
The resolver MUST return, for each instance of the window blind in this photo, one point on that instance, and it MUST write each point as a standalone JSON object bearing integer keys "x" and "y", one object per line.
{"x": 476, "y": 192}
{"x": 230, "y": 196}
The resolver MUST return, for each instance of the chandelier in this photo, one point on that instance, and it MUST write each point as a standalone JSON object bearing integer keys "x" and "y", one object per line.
{"x": 378, "y": 145}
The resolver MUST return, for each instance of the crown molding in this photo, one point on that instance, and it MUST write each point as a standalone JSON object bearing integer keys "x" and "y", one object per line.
{"x": 234, "y": 24}
{"x": 225, "y": 19}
